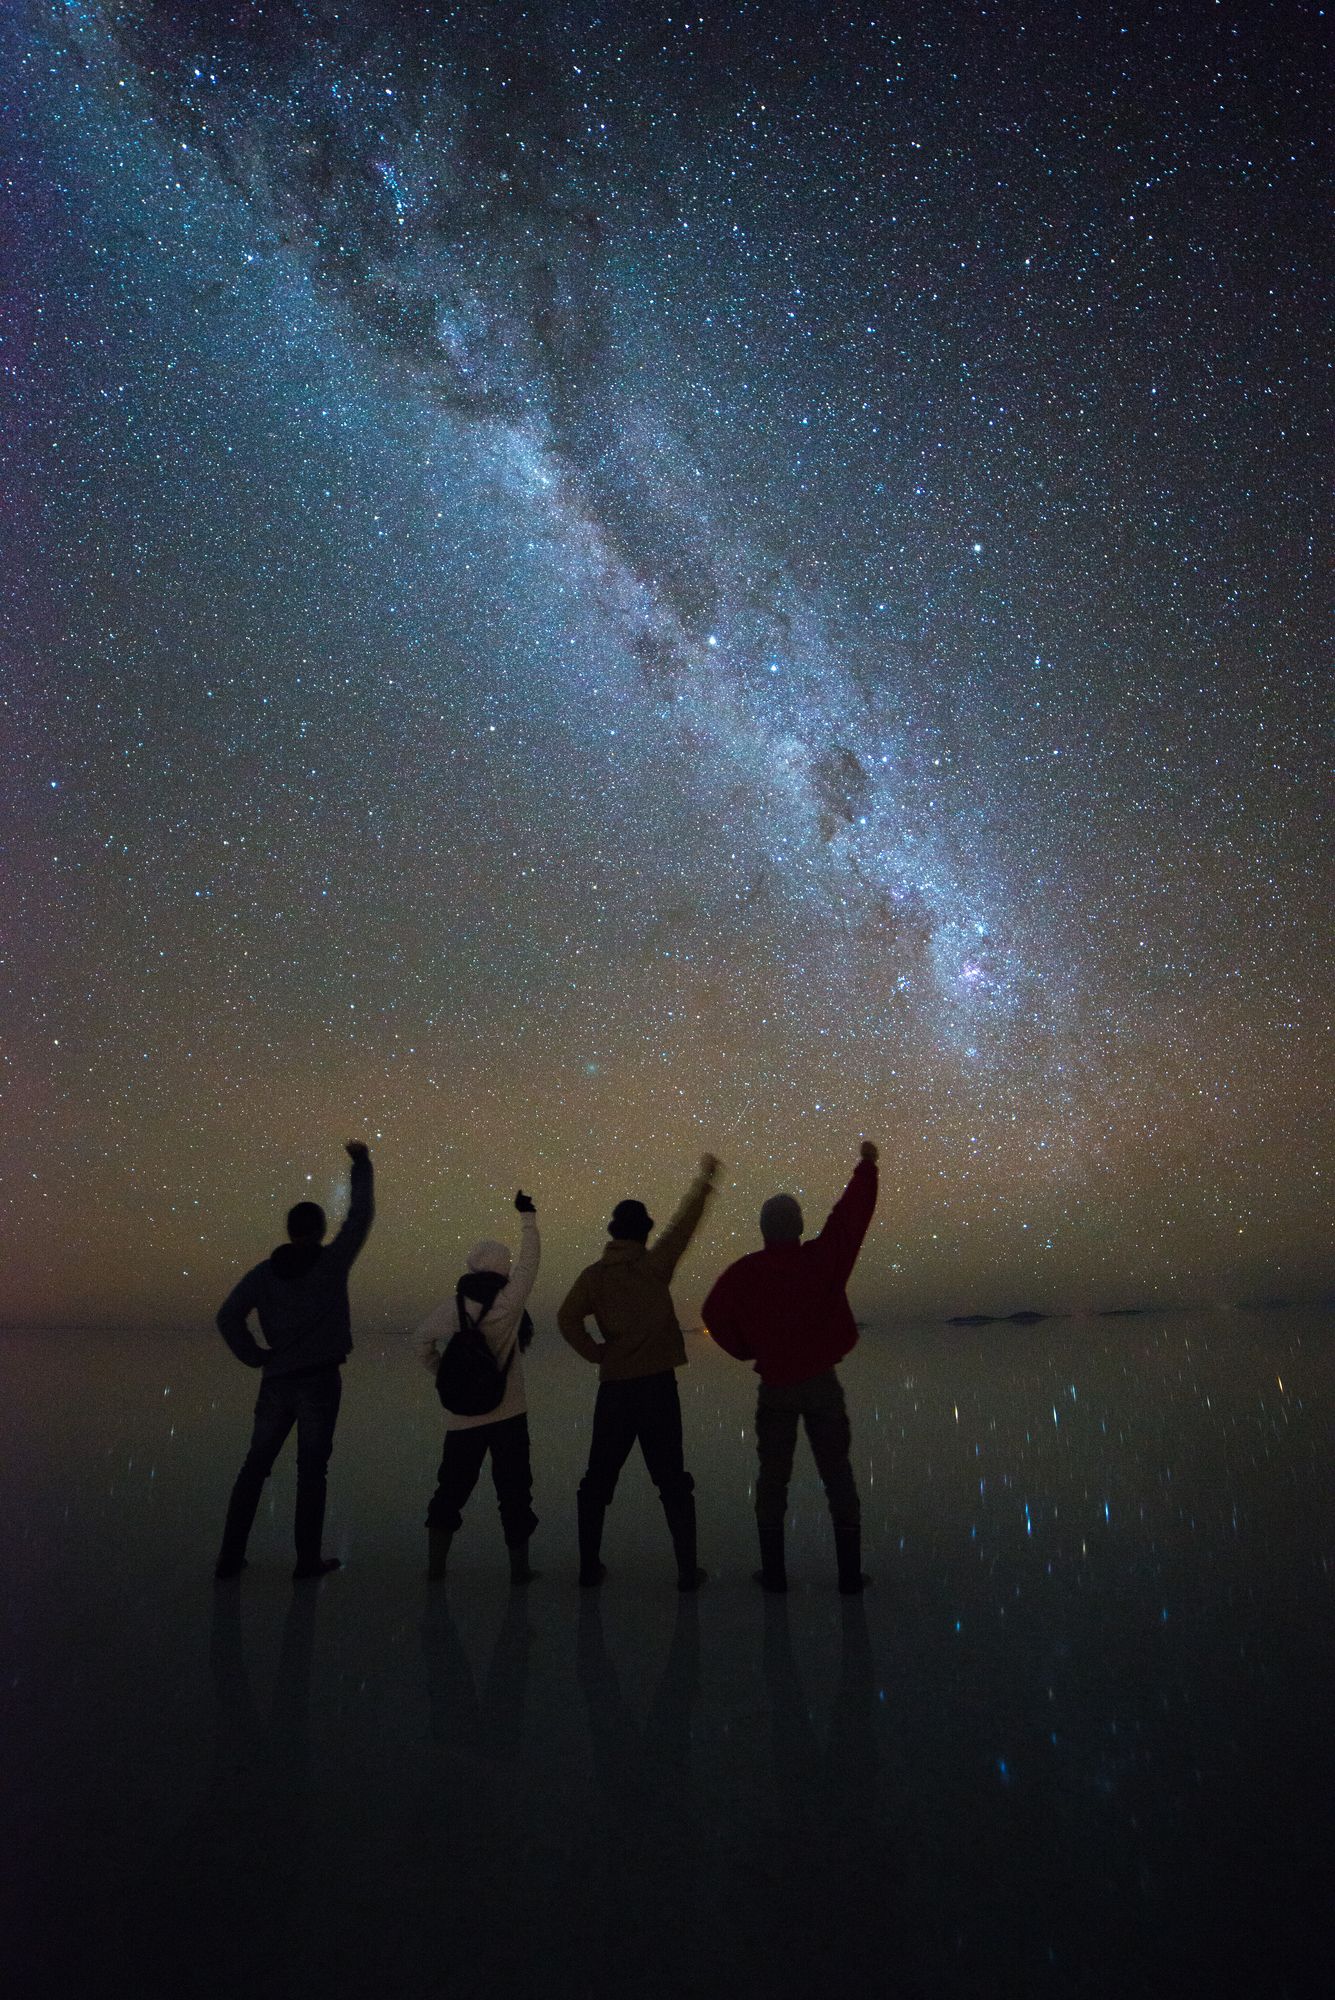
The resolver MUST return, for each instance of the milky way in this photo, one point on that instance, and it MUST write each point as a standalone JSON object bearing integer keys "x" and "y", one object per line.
{"x": 604, "y": 580}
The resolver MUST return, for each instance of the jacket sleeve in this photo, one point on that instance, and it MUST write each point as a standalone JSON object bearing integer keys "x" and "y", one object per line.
{"x": 723, "y": 1321}
{"x": 233, "y": 1318}
{"x": 841, "y": 1238}
{"x": 435, "y": 1330}
{"x": 361, "y": 1213}
{"x": 501, "y": 1326}
{"x": 670, "y": 1246}
{"x": 571, "y": 1314}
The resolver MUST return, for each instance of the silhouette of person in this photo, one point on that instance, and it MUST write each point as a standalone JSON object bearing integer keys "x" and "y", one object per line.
{"x": 492, "y": 1298}
{"x": 784, "y": 1309}
{"x": 300, "y": 1296}
{"x": 627, "y": 1295}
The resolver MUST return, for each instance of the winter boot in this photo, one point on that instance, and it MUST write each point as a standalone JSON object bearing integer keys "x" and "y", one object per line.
{"x": 437, "y": 1552}
{"x": 848, "y": 1553}
{"x": 773, "y": 1573}
{"x": 590, "y": 1518}
{"x": 680, "y": 1514}
{"x": 242, "y": 1508}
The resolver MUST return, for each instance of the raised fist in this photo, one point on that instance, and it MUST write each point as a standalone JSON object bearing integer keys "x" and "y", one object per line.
{"x": 709, "y": 1165}
{"x": 357, "y": 1149}
{"x": 866, "y": 1151}
{"x": 525, "y": 1203}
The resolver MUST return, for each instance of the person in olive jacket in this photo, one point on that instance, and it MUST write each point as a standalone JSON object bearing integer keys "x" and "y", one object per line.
{"x": 627, "y": 1295}
{"x": 299, "y": 1294}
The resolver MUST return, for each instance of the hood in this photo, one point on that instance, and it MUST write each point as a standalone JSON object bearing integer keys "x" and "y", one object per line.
{"x": 489, "y": 1255}
{"x": 291, "y": 1261}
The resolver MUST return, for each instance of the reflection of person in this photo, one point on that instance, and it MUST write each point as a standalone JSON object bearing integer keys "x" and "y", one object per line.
{"x": 254, "y": 1825}
{"x": 482, "y": 1728}
{"x": 300, "y": 1296}
{"x": 784, "y": 1308}
{"x": 823, "y": 1829}
{"x": 626, "y": 1293}
{"x": 647, "y": 1808}
{"x": 476, "y": 1873}
{"x": 492, "y": 1298}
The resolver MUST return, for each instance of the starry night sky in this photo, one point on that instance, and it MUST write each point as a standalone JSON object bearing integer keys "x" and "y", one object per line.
{"x": 588, "y": 583}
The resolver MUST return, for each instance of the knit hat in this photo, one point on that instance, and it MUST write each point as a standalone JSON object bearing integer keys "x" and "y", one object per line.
{"x": 631, "y": 1222}
{"x": 489, "y": 1255}
{"x": 781, "y": 1219}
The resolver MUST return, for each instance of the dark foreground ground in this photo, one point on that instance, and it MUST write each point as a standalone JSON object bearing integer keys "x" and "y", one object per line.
{"x": 1075, "y": 1741}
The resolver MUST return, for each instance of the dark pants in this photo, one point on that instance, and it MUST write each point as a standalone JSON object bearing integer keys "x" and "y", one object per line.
{"x": 309, "y": 1400}
{"x": 646, "y": 1412}
{"x": 819, "y": 1404}
{"x": 511, "y": 1475}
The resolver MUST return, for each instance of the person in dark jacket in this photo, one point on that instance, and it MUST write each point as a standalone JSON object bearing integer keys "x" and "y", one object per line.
{"x": 300, "y": 1297}
{"x": 627, "y": 1295}
{"x": 784, "y": 1308}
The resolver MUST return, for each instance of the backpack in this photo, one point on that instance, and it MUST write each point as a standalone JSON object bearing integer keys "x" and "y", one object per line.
{"x": 469, "y": 1382}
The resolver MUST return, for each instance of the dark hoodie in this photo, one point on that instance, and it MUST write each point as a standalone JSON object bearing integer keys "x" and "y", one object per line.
{"x": 300, "y": 1294}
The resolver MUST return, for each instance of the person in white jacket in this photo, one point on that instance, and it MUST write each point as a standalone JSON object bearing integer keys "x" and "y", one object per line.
{"x": 503, "y": 1431}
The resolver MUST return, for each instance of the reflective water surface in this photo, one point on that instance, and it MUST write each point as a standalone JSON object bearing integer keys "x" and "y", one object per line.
{"x": 1073, "y": 1741}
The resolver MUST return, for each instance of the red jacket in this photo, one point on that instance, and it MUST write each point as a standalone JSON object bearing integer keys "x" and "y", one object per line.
{"x": 784, "y": 1307}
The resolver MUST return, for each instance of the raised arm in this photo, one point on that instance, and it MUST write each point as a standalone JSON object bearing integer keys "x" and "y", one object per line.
{"x": 514, "y": 1297}
{"x": 841, "y": 1238}
{"x": 361, "y": 1206}
{"x": 571, "y": 1315}
{"x": 233, "y": 1322}
{"x": 670, "y": 1245}
{"x": 502, "y": 1322}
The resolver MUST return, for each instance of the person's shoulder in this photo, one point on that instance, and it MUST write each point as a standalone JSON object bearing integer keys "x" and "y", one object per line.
{"x": 743, "y": 1267}
{"x": 246, "y": 1284}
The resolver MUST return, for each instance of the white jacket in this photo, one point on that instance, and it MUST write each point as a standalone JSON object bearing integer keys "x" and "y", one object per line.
{"x": 499, "y": 1326}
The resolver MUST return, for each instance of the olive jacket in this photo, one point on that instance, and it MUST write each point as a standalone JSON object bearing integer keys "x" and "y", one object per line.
{"x": 627, "y": 1295}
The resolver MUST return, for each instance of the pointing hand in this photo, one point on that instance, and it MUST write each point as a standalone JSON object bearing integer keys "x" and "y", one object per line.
{"x": 525, "y": 1203}
{"x": 357, "y": 1149}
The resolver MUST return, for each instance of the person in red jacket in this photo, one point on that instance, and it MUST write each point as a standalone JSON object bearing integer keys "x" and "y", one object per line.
{"x": 784, "y": 1308}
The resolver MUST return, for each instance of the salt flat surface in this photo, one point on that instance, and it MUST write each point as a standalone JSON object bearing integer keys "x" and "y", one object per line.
{"x": 1075, "y": 1739}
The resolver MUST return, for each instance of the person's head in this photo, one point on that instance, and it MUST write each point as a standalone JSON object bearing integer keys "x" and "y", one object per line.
{"x": 306, "y": 1223}
{"x": 781, "y": 1219}
{"x": 490, "y": 1256}
{"x": 630, "y": 1223}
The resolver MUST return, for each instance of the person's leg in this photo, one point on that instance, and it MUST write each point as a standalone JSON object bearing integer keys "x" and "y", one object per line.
{"x": 318, "y": 1396}
{"x": 512, "y": 1476}
{"x": 460, "y": 1463}
{"x": 825, "y": 1415}
{"x": 658, "y": 1421}
{"x": 776, "y": 1442}
{"x": 609, "y": 1448}
{"x": 275, "y": 1414}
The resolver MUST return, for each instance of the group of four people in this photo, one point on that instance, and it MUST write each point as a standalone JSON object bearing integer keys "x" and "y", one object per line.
{"x": 783, "y": 1308}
